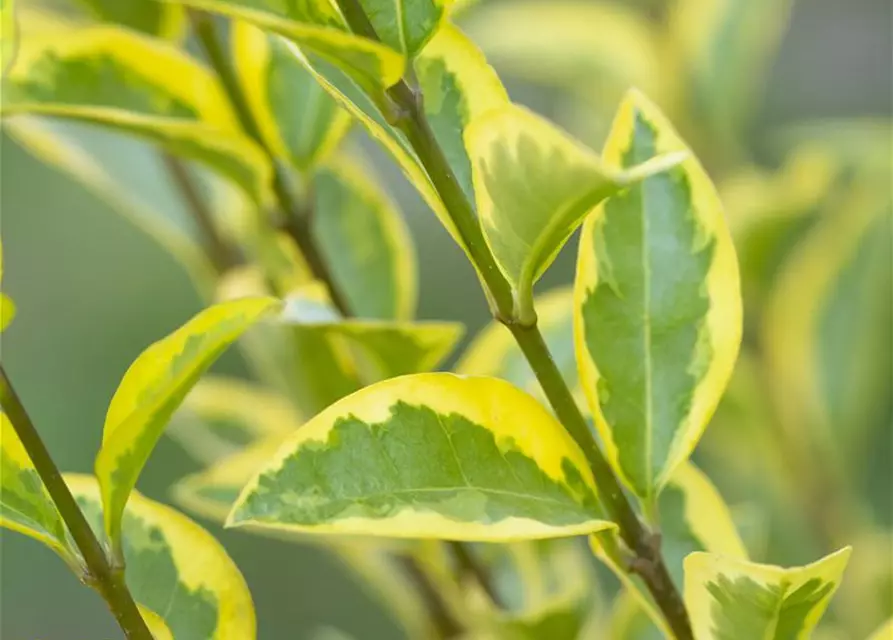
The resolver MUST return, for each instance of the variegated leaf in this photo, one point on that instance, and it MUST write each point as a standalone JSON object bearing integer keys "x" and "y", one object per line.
{"x": 427, "y": 456}
{"x": 534, "y": 185}
{"x": 730, "y": 598}
{"x": 153, "y": 388}
{"x": 658, "y": 308}
{"x": 25, "y": 505}
{"x": 175, "y": 569}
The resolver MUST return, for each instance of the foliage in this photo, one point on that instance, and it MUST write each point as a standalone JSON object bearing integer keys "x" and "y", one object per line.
{"x": 707, "y": 290}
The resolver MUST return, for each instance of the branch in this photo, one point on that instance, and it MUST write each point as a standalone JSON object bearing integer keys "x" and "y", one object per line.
{"x": 410, "y": 118}
{"x": 108, "y": 580}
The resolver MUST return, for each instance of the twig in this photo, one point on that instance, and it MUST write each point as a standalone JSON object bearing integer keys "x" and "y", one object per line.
{"x": 106, "y": 579}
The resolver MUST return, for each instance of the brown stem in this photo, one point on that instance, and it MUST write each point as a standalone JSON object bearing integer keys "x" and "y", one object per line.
{"x": 106, "y": 579}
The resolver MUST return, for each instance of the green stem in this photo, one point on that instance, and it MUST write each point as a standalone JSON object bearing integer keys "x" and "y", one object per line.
{"x": 645, "y": 545}
{"x": 297, "y": 216}
{"x": 107, "y": 580}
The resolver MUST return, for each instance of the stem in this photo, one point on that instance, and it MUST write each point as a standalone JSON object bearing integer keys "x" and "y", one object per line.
{"x": 108, "y": 580}
{"x": 297, "y": 218}
{"x": 410, "y": 118}
{"x": 220, "y": 253}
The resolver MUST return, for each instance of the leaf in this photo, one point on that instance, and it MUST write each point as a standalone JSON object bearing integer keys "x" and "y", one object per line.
{"x": 826, "y": 330}
{"x": 221, "y": 416}
{"x": 427, "y": 456}
{"x": 138, "y": 86}
{"x": 732, "y": 598}
{"x": 25, "y": 504}
{"x": 64, "y": 154}
{"x": 153, "y": 388}
{"x": 567, "y": 44}
{"x": 533, "y": 186}
{"x": 175, "y": 569}
{"x": 149, "y": 16}
{"x": 365, "y": 242}
{"x": 458, "y": 85}
{"x": 296, "y": 117}
{"x": 379, "y": 349}
{"x": 691, "y": 516}
{"x": 494, "y": 351}
{"x": 316, "y": 25}
{"x": 658, "y": 320}
{"x": 725, "y": 48}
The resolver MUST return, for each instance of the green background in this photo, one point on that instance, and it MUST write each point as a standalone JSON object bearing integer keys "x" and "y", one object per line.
{"x": 92, "y": 292}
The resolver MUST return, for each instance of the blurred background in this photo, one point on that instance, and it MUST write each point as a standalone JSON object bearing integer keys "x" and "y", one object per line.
{"x": 92, "y": 291}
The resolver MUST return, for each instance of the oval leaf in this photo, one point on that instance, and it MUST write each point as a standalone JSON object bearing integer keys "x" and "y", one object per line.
{"x": 365, "y": 242}
{"x": 533, "y": 185}
{"x": 25, "y": 505}
{"x": 731, "y": 598}
{"x": 658, "y": 307}
{"x": 494, "y": 351}
{"x": 138, "y": 86}
{"x": 153, "y": 388}
{"x": 175, "y": 569}
{"x": 149, "y": 16}
{"x": 220, "y": 416}
{"x": 296, "y": 117}
{"x": 427, "y": 456}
